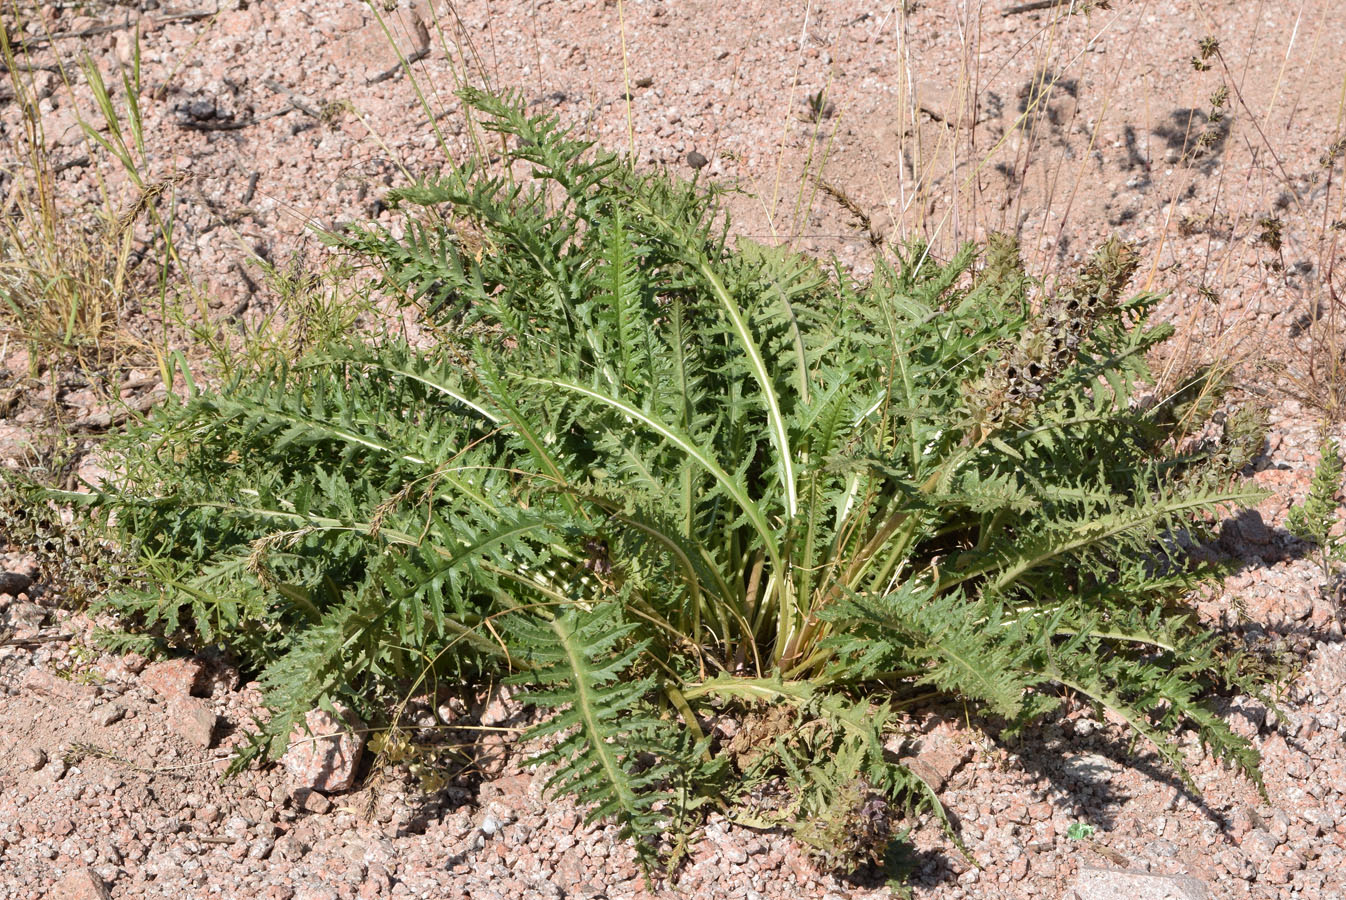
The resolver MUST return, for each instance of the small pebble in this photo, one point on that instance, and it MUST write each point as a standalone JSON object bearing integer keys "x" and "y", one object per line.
{"x": 33, "y": 758}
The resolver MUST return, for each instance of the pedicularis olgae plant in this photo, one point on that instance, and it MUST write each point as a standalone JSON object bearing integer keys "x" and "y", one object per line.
{"x": 658, "y": 476}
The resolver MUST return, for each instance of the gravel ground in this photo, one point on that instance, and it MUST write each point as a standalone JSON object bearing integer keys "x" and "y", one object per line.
{"x": 273, "y": 117}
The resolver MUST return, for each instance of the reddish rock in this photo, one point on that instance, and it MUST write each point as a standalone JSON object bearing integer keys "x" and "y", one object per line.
{"x": 309, "y": 800}
{"x": 940, "y": 753}
{"x": 1259, "y": 844}
{"x": 40, "y": 681}
{"x": 81, "y": 884}
{"x": 1246, "y": 717}
{"x": 175, "y": 677}
{"x": 497, "y": 707}
{"x": 1281, "y": 868}
{"x": 122, "y": 668}
{"x": 192, "y": 719}
{"x": 325, "y": 755}
{"x": 368, "y": 52}
{"x": 1243, "y": 819}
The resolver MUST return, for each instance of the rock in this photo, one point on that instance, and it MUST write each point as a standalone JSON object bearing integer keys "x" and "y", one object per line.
{"x": 14, "y": 583}
{"x": 1252, "y": 528}
{"x": 368, "y": 53}
{"x": 311, "y": 801}
{"x": 33, "y": 758}
{"x": 498, "y": 707}
{"x": 175, "y": 677}
{"x": 940, "y": 753}
{"x": 109, "y": 714}
{"x": 697, "y": 160}
{"x": 192, "y": 720}
{"x": 1124, "y": 884}
{"x": 317, "y": 892}
{"x": 15, "y": 443}
{"x": 40, "y": 681}
{"x": 81, "y": 884}
{"x": 1259, "y": 844}
{"x": 1246, "y": 717}
{"x": 54, "y": 771}
{"x": 325, "y": 755}
{"x": 261, "y": 848}
{"x": 25, "y": 618}
{"x": 1089, "y": 767}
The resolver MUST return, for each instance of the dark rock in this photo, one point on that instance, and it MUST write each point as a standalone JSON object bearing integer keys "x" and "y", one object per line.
{"x": 14, "y": 583}
{"x": 1252, "y": 528}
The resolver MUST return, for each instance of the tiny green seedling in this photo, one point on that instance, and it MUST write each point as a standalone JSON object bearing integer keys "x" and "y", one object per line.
{"x": 1079, "y": 831}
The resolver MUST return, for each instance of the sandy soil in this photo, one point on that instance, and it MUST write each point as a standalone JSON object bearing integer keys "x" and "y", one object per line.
{"x": 945, "y": 121}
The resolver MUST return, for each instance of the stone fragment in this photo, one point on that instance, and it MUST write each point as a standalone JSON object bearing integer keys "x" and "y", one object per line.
{"x": 1252, "y": 528}
{"x": 368, "y": 53}
{"x": 317, "y": 892}
{"x": 1124, "y": 884}
{"x": 25, "y": 618}
{"x": 14, "y": 583}
{"x": 325, "y": 755}
{"x": 174, "y": 677}
{"x": 81, "y": 884}
{"x": 498, "y": 707}
{"x": 40, "y": 681}
{"x": 192, "y": 720}
{"x": 1259, "y": 844}
{"x": 311, "y": 801}
{"x": 33, "y": 758}
{"x": 940, "y": 753}
{"x": 109, "y": 714}
{"x": 261, "y": 848}
{"x": 1089, "y": 767}
{"x": 1246, "y": 717}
